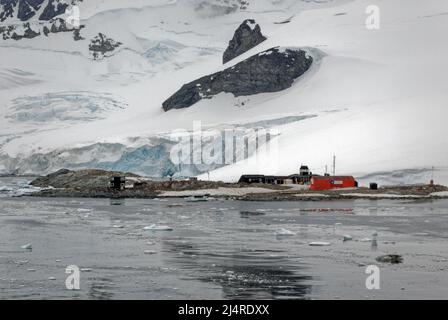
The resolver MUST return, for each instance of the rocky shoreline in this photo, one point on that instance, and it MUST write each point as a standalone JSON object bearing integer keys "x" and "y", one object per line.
{"x": 94, "y": 184}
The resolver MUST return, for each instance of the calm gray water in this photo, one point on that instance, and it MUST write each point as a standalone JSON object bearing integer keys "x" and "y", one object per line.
{"x": 216, "y": 249}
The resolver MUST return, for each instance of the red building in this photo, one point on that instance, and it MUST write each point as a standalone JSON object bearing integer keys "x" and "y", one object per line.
{"x": 321, "y": 183}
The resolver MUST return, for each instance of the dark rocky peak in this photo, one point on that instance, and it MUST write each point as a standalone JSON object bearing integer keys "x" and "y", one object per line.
{"x": 270, "y": 71}
{"x": 28, "y": 9}
{"x": 53, "y": 9}
{"x": 247, "y": 36}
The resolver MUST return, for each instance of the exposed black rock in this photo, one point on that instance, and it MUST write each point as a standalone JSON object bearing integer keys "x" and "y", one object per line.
{"x": 77, "y": 34}
{"x": 247, "y": 36}
{"x": 101, "y": 45}
{"x": 54, "y": 26}
{"x": 9, "y": 33}
{"x": 24, "y": 10}
{"x": 7, "y": 9}
{"x": 53, "y": 9}
{"x": 270, "y": 71}
{"x": 28, "y": 8}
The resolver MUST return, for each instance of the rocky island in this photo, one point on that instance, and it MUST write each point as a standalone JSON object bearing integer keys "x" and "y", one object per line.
{"x": 95, "y": 184}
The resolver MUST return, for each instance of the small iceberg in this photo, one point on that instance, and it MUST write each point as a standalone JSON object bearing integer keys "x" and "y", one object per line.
{"x": 284, "y": 233}
{"x": 198, "y": 199}
{"x": 347, "y": 238}
{"x": 5, "y": 189}
{"x": 319, "y": 244}
{"x": 155, "y": 227}
{"x": 27, "y": 246}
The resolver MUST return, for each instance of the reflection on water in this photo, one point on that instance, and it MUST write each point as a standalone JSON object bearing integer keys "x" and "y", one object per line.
{"x": 101, "y": 289}
{"x": 117, "y": 201}
{"x": 258, "y": 274}
{"x": 216, "y": 249}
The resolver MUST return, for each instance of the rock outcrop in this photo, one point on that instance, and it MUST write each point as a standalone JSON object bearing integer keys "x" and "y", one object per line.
{"x": 26, "y": 31}
{"x": 247, "y": 36}
{"x": 78, "y": 179}
{"x": 269, "y": 71}
{"x": 25, "y": 10}
{"x": 101, "y": 45}
{"x": 51, "y": 19}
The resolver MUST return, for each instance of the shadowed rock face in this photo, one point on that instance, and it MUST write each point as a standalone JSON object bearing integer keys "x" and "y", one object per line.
{"x": 247, "y": 36}
{"x": 270, "y": 71}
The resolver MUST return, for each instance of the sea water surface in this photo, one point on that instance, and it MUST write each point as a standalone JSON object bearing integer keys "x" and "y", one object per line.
{"x": 218, "y": 249}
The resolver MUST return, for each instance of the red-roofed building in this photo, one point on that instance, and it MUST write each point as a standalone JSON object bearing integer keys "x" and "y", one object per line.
{"x": 322, "y": 183}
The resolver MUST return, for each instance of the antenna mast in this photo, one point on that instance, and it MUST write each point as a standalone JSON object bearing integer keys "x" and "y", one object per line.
{"x": 334, "y": 165}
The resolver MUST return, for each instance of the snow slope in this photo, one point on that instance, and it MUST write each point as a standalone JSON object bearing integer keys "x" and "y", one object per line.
{"x": 375, "y": 98}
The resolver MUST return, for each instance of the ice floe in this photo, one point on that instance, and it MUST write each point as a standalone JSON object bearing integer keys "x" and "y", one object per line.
{"x": 155, "y": 227}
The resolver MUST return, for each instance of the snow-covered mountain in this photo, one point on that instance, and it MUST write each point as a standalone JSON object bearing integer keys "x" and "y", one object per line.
{"x": 91, "y": 95}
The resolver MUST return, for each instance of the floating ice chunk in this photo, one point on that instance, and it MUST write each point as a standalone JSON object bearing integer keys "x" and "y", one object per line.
{"x": 155, "y": 227}
{"x": 51, "y": 278}
{"x": 347, "y": 237}
{"x": 86, "y": 270}
{"x": 150, "y": 252}
{"x": 319, "y": 244}
{"x": 285, "y": 233}
{"x": 117, "y": 226}
{"x": 175, "y": 205}
{"x": 27, "y": 246}
{"x": 365, "y": 240}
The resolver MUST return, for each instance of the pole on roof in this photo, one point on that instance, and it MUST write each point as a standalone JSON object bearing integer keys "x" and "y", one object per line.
{"x": 334, "y": 165}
